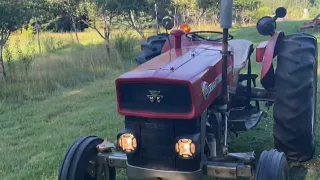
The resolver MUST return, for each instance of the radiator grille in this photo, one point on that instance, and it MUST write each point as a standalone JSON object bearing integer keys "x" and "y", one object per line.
{"x": 176, "y": 98}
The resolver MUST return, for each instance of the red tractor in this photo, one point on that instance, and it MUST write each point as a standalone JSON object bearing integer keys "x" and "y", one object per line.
{"x": 187, "y": 94}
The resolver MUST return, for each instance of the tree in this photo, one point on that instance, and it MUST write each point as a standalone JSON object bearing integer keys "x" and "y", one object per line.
{"x": 242, "y": 7}
{"x": 185, "y": 7}
{"x": 135, "y": 14}
{"x": 12, "y": 17}
{"x": 209, "y": 5}
{"x": 40, "y": 10}
{"x": 99, "y": 11}
{"x": 69, "y": 7}
{"x": 315, "y": 2}
{"x": 162, "y": 8}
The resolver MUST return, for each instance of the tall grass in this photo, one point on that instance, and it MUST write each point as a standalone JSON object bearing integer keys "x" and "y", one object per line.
{"x": 64, "y": 64}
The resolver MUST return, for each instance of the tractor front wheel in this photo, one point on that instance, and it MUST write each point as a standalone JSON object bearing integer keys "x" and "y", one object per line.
{"x": 80, "y": 161}
{"x": 272, "y": 165}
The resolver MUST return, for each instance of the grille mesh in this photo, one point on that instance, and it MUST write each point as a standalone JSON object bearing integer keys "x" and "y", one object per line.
{"x": 176, "y": 98}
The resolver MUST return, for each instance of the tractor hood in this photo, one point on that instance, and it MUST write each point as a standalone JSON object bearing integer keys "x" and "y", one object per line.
{"x": 170, "y": 86}
{"x": 177, "y": 64}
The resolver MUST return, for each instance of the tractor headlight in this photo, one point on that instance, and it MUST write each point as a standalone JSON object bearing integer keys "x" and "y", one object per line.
{"x": 186, "y": 148}
{"x": 127, "y": 142}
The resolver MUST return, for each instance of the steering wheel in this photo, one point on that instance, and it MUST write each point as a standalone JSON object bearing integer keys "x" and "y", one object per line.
{"x": 196, "y": 37}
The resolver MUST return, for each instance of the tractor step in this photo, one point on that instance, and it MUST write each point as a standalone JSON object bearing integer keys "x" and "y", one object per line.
{"x": 246, "y": 157}
{"x": 244, "y": 120}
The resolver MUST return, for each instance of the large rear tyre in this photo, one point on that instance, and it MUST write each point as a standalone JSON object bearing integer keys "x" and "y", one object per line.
{"x": 79, "y": 162}
{"x": 272, "y": 165}
{"x": 151, "y": 48}
{"x": 296, "y": 97}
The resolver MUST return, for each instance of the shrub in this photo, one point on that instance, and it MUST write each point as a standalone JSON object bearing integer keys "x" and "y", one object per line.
{"x": 262, "y": 11}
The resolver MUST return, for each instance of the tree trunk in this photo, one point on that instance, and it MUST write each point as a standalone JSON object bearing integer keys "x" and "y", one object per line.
{"x": 156, "y": 11}
{"x": 134, "y": 26}
{"x": 38, "y": 36}
{"x": 107, "y": 40}
{"x": 2, "y": 69}
{"x": 175, "y": 17}
{"x": 184, "y": 16}
{"x": 140, "y": 31}
{"x": 75, "y": 28}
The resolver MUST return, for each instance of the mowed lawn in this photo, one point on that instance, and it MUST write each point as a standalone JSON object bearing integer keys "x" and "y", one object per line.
{"x": 34, "y": 135}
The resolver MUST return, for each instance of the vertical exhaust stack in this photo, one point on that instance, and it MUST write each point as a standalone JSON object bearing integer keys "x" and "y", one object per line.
{"x": 226, "y": 23}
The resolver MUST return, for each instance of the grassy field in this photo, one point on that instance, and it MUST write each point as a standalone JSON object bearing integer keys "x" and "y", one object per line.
{"x": 36, "y": 130}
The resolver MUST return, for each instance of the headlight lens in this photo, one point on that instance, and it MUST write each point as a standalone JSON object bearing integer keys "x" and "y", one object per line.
{"x": 127, "y": 142}
{"x": 185, "y": 148}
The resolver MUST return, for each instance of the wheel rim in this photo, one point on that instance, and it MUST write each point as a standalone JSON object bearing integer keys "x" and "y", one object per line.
{"x": 94, "y": 171}
{"x": 91, "y": 170}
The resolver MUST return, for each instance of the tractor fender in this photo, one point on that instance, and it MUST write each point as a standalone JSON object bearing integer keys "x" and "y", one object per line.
{"x": 267, "y": 72}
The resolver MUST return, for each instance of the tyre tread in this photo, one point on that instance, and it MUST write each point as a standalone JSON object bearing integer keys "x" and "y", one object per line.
{"x": 74, "y": 161}
{"x": 271, "y": 164}
{"x": 151, "y": 48}
{"x": 295, "y": 78}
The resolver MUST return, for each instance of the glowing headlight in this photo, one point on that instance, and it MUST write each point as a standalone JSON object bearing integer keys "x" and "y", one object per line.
{"x": 186, "y": 148}
{"x": 127, "y": 142}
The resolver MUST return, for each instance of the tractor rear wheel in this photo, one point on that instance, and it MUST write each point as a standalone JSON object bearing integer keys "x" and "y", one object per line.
{"x": 296, "y": 97}
{"x": 79, "y": 162}
{"x": 151, "y": 48}
{"x": 272, "y": 165}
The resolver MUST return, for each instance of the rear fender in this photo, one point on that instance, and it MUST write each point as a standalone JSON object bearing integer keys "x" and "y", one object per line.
{"x": 270, "y": 52}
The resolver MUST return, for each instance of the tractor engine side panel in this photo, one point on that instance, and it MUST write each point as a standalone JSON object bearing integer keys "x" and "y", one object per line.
{"x": 213, "y": 78}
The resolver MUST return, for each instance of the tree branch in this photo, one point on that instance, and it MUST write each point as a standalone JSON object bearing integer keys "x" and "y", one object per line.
{"x": 1, "y": 37}
{"x": 131, "y": 19}
{"x": 6, "y": 38}
{"x": 200, "y": 16}
{"x": 93, "y": 27}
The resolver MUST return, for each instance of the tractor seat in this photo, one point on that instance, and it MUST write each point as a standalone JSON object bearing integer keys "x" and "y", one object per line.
{"x": 242, "y": 50}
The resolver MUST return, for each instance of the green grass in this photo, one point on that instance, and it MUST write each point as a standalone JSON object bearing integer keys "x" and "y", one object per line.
{"x": 36, "y": 132}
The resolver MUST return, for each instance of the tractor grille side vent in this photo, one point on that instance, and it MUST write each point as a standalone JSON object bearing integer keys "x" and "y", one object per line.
{"x": 175, "y": 98}
{"x": 158, "y": 138}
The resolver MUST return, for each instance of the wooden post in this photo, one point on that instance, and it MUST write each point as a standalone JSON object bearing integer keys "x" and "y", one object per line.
{"x": 37, "y": 26}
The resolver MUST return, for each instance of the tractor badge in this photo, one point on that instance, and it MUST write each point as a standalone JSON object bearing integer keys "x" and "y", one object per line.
{"x": 155, "y": 96}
